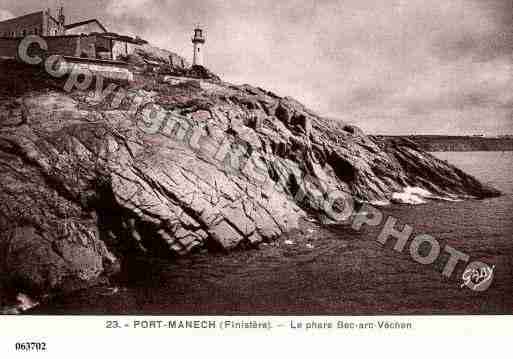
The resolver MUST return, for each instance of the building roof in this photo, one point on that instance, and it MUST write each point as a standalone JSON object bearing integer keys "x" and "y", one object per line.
{"x": 20, "y": 17}
{"x": 124, "y": 38}
{"x": 77, "y": 24}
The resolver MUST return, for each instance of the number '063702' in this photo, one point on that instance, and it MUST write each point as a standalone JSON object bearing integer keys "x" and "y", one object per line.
{"x": 30, "y": 346}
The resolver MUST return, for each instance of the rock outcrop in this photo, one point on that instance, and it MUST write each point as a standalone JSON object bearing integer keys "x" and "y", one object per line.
{"x": 150, "y": 55}
{"x": 86, "y": 181}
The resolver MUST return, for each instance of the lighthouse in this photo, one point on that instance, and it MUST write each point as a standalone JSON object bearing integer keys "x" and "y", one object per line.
{"x": 198, "y": 40}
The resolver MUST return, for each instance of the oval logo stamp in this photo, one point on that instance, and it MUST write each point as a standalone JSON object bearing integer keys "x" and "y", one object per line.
{"x": 478, "y": 276}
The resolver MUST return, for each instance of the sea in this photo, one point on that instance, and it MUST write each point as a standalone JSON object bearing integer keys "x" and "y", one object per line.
{"x": 335, "y": 269}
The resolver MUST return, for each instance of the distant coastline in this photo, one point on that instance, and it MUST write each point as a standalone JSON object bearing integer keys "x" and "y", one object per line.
{"x": 439, "y": 143}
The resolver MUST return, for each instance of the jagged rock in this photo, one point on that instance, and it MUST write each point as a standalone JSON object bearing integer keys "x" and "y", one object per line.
{"x": 85, "y": 184}
{"x": 151, "y": 54}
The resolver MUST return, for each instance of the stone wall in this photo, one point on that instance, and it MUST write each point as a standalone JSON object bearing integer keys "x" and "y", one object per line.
{"x": 107, "y": 69}
{"x": 93, "y": 47}
{"x": 31, "y": 24}
{"x": 77, "y": 46}
{"x": 72, "y": 47}
{"x": 38, "y": 23}
{"x": 87, "y": 28}
{"x": 62, "y": 45}
{"x": 8, "y": 48}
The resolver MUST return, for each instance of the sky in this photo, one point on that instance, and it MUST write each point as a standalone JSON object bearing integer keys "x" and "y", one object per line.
{"x": 388, "y": 66}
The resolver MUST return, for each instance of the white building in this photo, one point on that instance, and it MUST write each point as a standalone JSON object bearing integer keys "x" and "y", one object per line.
{"x": 198, "y": 41}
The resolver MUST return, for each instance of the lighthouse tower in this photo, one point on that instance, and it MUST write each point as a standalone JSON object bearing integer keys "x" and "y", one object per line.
{"x": 198, "y": 40}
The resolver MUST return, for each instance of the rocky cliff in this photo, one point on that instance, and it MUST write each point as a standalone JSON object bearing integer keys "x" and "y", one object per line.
{"x": 87, "y": 180}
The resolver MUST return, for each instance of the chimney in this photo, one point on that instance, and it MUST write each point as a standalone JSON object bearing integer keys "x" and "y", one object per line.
{"x": 61, "y": 19}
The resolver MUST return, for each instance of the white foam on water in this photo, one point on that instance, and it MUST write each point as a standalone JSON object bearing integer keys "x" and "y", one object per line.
{"x": 418, "y": 195}
{"x": 448, "y": 199}
{"x": 25, "y": 302}
{"x": 412, "y": 195}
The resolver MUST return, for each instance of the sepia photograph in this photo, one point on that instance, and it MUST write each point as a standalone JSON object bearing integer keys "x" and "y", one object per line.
{"x": 256, "y": 159}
